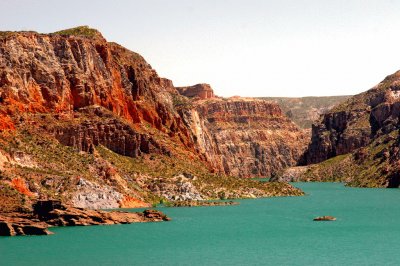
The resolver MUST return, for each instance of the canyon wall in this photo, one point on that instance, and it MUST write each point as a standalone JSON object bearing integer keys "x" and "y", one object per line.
{"x": 75, "y": 107}
{"x": 252, "y": 138}
{"x": 356, "y": 122}
{"x": 361, "y": 137}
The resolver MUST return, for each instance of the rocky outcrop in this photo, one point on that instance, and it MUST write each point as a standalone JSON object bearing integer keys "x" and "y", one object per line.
{"x": 251, "y": 138}
{"x": 291, "y": 174}
{"x": 338, "y": 133}
{"x": 191, "y": 203}
{"x": 201, "y": 91}
{"x": 93, "y": 196}
{"x": 324, "y": 218}
{"x": 52, "y": 213}
{"x": 178, "y": 188}
{"x": 13, "y": 226}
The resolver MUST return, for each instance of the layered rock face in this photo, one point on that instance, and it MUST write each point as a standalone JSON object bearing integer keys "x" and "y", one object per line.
{"x": 250, "y": 137}
{"x": 365, "y": 131}
{"x": 110, "y": 132}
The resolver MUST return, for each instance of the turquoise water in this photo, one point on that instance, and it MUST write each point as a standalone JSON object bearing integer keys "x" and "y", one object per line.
{"x": 273, "y": 231}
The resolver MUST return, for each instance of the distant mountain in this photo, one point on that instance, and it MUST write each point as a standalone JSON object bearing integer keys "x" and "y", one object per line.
{"x": 305, "y": 110}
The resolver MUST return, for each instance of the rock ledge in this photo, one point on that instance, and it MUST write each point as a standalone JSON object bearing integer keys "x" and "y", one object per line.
{"x": 52, "y": 213}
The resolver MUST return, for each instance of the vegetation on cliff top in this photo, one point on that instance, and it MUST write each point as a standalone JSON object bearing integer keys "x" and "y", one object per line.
{"x": 85, "y": 31}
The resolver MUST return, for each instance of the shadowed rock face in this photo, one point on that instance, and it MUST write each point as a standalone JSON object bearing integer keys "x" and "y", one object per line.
{"x": 357, "y": 142}
{"x": 356, "y": 122}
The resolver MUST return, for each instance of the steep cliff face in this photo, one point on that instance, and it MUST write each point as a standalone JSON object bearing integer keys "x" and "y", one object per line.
{"x": 85, "y": 120}
{"x": 365, "y": 130}
{"x": 356, "y": 122}
{"x": 250, "y": 137}
{"x": 62, "y": 73}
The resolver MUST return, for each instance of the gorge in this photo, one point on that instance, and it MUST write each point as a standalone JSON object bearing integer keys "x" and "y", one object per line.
{"x": 90, "y": 124}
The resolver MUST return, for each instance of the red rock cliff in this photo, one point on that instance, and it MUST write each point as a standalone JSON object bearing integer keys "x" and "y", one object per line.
{"x": 63, "y": 73}
{"x": 91, "y": 123}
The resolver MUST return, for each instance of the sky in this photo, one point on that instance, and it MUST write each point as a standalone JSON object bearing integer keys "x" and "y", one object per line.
{"x": 249, "y": 48}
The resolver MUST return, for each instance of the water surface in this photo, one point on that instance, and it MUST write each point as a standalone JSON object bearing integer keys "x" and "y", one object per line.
{"x": 272, "y": 231}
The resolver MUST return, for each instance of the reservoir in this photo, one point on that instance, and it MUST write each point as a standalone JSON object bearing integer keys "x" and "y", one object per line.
{"x": 268, "y": 231}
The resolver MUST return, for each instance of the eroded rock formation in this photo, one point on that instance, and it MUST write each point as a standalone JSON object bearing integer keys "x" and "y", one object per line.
{"x": 91, "y": 123}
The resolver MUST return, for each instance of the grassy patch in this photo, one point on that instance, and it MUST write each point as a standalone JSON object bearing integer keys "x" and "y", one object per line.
{"x": 79, "y": 31}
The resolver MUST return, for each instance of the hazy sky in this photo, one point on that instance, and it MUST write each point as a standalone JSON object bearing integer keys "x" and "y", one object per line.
{"x": 247, "y": 47}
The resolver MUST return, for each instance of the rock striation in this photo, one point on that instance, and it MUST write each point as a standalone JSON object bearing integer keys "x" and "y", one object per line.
{"x": 248, "y": 137}
{"x": 356, "y": 122}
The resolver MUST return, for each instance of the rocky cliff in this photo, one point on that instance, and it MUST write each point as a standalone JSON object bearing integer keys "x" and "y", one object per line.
{"x": 91, "y": 123}
{"x": 356, "y": 122}
{"x": 249, "y": 137}
{"x": 201, "y": 91}
{"x": 360, "y": 137}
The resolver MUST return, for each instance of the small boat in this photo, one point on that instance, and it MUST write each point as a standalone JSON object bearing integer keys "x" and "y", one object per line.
{"x": 325, "y": 218}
